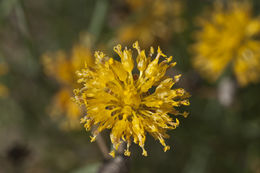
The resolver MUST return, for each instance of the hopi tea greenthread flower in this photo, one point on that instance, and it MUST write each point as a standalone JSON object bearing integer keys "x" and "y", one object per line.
{"x": 118, "y": 100}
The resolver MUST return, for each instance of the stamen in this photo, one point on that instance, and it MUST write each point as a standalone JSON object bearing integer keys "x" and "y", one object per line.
{"x": 93, "y": 138}
{"x": 112, "y": 153}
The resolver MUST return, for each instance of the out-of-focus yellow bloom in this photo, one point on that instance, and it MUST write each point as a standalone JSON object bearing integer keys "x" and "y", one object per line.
{"x": 135, "y": 4}
{"x": 62, "y": 105}
{"x": 3, "y": 88}
{"x": 157, "y": 19}
{"x": 124, "y": 102}
{"x": 61, "y": 67}
{"x": 229, "y": 37}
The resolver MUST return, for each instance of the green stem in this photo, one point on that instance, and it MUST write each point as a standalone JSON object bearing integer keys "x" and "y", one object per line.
{"x": 25, "y": 32}
{"x": 98, "y": 18}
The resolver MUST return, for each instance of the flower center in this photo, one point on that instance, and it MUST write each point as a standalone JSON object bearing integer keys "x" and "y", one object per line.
{"x": 131, "y": 97}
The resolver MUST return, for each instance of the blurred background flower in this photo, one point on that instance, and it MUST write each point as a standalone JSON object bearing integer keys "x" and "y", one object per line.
{"x": 229, "y": 37}
{"x": 150, "y": 21}
{"x": 62, "y": 67}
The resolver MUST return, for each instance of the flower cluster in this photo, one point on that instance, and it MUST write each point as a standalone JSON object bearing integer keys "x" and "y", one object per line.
{"x": 57, "y": 65}
{"x": 124, "y": 102}
{"x": 229, "y": 37}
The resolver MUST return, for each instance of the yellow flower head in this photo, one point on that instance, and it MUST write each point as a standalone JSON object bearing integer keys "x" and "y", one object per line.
{"x": 62, "y": 68}
{"x": 124, "y": 102}
{"x": 229, "y": 37}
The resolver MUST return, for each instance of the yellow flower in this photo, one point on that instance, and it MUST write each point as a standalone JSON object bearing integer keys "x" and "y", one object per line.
{"x": 62, "y": 105}
{"x": 3, "y": 91}
{"x": 124, "y": 102}
{"x": 157, "y": 20}
{"x": 62, "y": 68}
{"x": 229, "y": 37}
